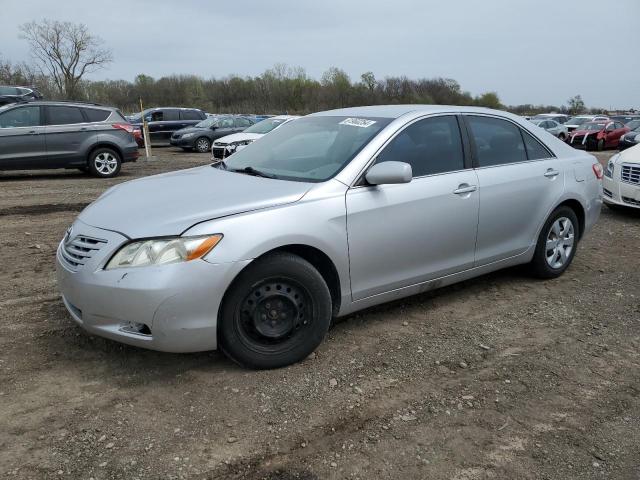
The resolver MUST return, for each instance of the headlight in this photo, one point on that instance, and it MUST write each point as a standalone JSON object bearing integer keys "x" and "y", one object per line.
{"x": 242, "y": 142}
{"x": 611, "y": 166}
{"x": 162, "y": 251}
{"x": 188, "y": 135}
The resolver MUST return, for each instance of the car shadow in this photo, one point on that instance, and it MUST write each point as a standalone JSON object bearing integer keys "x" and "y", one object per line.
{"x": 44, "y": 175}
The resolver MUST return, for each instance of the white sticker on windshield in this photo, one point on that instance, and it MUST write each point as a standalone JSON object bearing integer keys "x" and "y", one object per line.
{"x": 358, "y": 122}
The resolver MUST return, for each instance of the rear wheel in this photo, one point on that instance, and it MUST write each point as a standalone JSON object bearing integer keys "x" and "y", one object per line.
{"x": 104, "y": 163}
{"x": 203, "y": 145}
{"x": 276, "y": 312}
{"x": 562, "y": 137}
{"x": 557, "y": 244}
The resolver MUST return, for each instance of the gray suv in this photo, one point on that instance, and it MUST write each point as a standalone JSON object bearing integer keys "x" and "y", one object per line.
{"x": 89, "y": 137}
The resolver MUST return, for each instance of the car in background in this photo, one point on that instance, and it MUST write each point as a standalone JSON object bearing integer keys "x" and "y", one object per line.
{"x": 330, "y": 214}
{"x": 11, "y": 94}
{"x": 598, "y": 135}
{"x": 558, "y": 117}
{"x": 43, "y": 135}
{"x": 164, "y": 121}
{"x": 632, "y": 138}
{"x": 575, "y": 122}
{"x": 621, "y": 181}
{"x": 553, "y": 127}
{"x": 225, "y": 146}
{"x": 625, "y": 118}
{"x": 202, "y": 135}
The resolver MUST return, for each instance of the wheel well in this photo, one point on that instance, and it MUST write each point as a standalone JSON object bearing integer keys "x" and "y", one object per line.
{"x": 578, "y": 210}
{"x": 104, "y": 145}
{"x": 322, "y": 263}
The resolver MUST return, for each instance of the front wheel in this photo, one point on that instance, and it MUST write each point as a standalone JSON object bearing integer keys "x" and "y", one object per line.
{"x": 600, "y": 145}
{"x": 104, "y": 163}
{"x": 557, "y": 244}
{"x": 203, "y": 145}
{"x": 276, "y": 312}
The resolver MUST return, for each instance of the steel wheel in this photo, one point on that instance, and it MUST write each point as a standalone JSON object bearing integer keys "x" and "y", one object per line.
{"x": 560, "y": 242}
{"x": 274, "y": 312}
{"x": 203, "y": 145}
{"x": 105, "y": 163}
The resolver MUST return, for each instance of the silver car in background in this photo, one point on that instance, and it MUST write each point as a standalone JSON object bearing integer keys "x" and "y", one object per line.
{"x": 327, "y": 215}
{"x": 554, "y": 128}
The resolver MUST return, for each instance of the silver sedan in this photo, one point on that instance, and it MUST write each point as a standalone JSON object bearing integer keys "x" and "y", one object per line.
{"x": 327, "y": 215}
{"x": 553, "y": 127}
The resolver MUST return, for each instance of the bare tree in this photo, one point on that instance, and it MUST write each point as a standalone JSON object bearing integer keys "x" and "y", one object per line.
{"x": 66, "y": 51}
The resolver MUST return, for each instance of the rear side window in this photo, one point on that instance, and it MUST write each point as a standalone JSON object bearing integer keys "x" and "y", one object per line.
{"x": 96, "y": 115}
{"x": 535, "y": 150}
{"x": 497, "y": 141}
{"x": 243, "y": 123}
{"x": 63, "y": 115}
{"x": 190, "y": 115}
{"x": 20, "y": 117}
{"x": 171, "y": 114}
{"x": 430, "y": 146}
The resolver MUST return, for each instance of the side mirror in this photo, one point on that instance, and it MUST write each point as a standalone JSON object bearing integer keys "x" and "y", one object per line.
{"x": 389, "y": 173}
{"x": 213, "y": 127}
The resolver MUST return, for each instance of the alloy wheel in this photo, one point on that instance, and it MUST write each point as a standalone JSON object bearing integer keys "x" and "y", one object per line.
{"x": 560, "y": 242}
{"x": 202, "y": 145}
{"x": 105, "y": 163}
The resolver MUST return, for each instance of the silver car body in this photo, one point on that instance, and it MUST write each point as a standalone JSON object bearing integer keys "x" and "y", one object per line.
{"x": 554, "y": 128}
{"x": 385, "y": 242}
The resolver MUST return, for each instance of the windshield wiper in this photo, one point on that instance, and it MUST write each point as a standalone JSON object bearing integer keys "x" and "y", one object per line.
{"x": 254, "y": 172}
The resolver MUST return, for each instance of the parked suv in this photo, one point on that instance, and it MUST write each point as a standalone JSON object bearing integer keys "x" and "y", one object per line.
{"x": 17, "y": 94}
{"x": 90, "y": 137}
{"x": 163, "y": 122}
{"x": 202, "y": 135}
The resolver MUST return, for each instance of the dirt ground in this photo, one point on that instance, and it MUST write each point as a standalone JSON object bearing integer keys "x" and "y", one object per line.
{"x": 499, "y": 377}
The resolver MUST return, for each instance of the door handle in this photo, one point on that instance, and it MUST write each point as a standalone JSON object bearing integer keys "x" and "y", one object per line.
{"x": 465, "y": 188}
{"x": 550, "y": 173}
{"x": 34, "y": 132}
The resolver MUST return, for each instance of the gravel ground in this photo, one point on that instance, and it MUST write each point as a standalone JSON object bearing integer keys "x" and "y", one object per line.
{"x": 498, "y": 377}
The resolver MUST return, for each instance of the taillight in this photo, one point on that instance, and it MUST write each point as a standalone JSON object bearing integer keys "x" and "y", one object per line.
{"x": 123, "y": 126}
{"x": 598, "y": 170}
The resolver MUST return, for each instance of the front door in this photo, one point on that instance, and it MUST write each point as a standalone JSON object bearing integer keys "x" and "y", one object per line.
{"x": 22, "y": 143}
{"x": 401, "y": 235}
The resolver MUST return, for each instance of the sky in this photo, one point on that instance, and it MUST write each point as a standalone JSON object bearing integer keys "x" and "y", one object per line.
{"x": 528, "y": 51}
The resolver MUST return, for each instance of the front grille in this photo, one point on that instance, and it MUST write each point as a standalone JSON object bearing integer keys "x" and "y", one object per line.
{"x": 76, "y": 251}
{"x": 631, "y": 201}
{"x": 631, "y": 174}
{"x": 607, "y": 193}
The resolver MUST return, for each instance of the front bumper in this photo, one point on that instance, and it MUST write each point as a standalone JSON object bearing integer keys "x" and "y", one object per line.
{"x": 616, "y": 192}
{"x": 178, "y": 303}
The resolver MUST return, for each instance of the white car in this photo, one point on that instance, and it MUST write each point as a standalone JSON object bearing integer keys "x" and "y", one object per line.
{"x": 225, "y": 146}
{"x": 575, "y": 122}
{"x": 621, "y": 182}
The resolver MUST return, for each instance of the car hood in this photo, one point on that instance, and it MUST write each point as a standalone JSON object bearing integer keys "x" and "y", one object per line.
{"x": 630, "y": 155}
{"x": 584, "y": 132}
{"x": 170, "y": 203}
{"x": 182, "y": 131}
{"x": 239, "y": 137}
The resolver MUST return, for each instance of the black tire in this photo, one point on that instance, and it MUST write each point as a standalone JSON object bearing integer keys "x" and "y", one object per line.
{"x": 540, "y": 266}
{"x": 104, "y": 163}
{"x": 202, "y": 145}
{"x": 562, "y": 137}
{"x": 275, "y": 313}
{"x": 186, "y": 149}
{"x": 600, "y": 145}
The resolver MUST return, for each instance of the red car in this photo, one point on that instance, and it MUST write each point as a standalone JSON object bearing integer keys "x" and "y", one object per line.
{"x": 597, "y": 135}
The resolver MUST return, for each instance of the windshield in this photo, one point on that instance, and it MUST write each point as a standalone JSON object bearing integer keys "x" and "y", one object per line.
{"x": 593, "y": 126}
{"x": 265, "y": 126}
{"x": 578, "y": 120}
{"x": 310, "y": 149}
{"x": 207, "y": 122}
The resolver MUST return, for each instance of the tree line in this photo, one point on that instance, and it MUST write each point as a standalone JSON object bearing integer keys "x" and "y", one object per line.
{"x": 64, "y": 53}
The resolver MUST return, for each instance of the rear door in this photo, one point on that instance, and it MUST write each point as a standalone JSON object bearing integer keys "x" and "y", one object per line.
{"x": 22, "y": 141}
{"x": 69, "y": 135}
{"x": 406, "y": 234}
{"x": 520, "y": 181}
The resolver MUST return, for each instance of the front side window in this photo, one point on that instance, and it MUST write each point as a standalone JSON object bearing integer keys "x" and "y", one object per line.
{"x": 311, "y": 149}
{"x": 20, "y": 117}
{"x": 225, "y": 123}
{"x": 9, "y": 91}
{"x": 497, "y": 141}
{"x": 430, "y": 146}
{"x": 243, "y": 123}
{"x": 63, "y": 115}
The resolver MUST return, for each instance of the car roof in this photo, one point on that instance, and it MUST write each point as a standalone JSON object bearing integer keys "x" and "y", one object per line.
{"x": 395, "y": 111}
{"x": 62, "y": 103}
